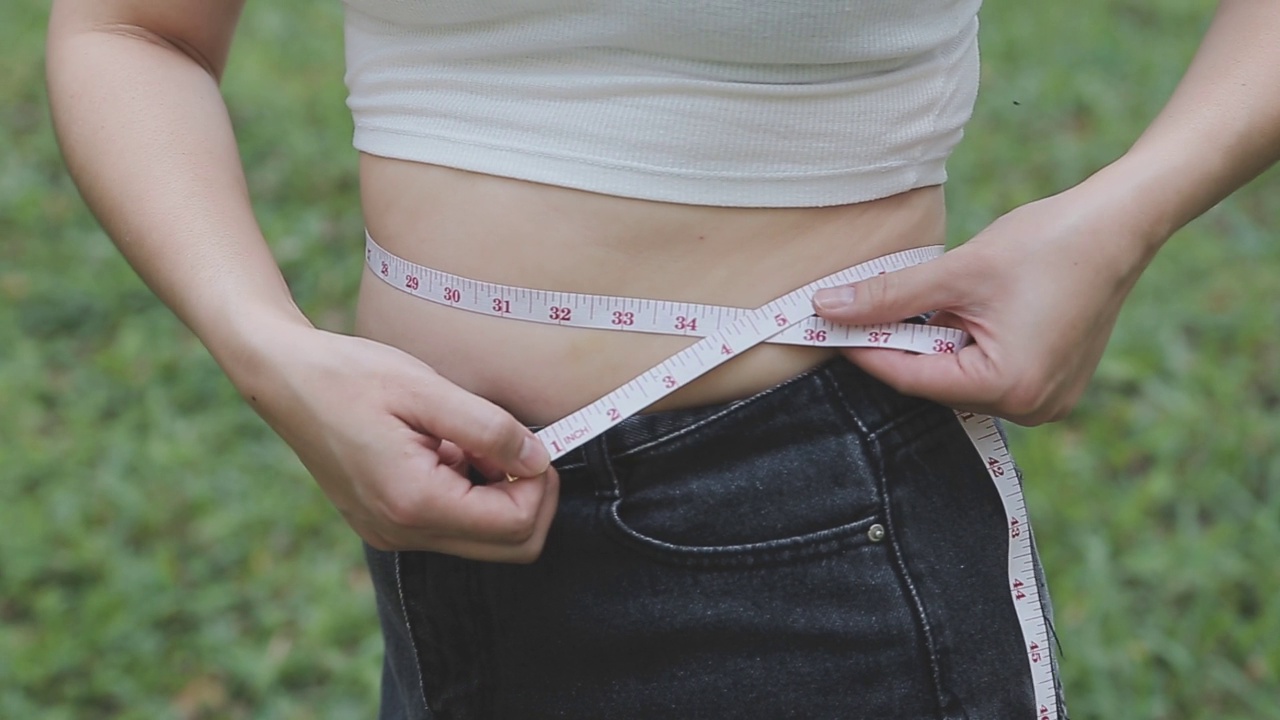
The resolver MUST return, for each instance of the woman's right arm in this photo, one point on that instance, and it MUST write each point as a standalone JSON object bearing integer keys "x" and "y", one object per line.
{"x": 133, "y": 85}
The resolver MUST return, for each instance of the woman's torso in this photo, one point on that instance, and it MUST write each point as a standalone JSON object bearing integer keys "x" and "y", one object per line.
{"x": 729, "y": 103}
{"x": 531, "y": 235}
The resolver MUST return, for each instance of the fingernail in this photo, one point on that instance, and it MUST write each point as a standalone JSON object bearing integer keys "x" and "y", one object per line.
{"x": 533, "y": 456}
{"x": 833, "y": 298}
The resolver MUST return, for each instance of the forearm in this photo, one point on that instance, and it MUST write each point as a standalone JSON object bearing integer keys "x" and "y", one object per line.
{"x": 148, "y": 140}
{"x": 1220, "y": 129}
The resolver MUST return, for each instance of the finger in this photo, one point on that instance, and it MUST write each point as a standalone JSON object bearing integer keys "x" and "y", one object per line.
{"x": 524, "y": 548}
{"x": 479, "y": 427}
{"x": 450, "y": 454}
{"x": 524, "y": 552}
{"x": 539, "y": 493}
{"x": 957, "y": 380}
{"x": 892, "y": 296}
{"x": 489, "y": 470}
{"x": 450, "y": 506}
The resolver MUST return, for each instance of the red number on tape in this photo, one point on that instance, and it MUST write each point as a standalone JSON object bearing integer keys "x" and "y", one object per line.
{"x": 996, "y": 468}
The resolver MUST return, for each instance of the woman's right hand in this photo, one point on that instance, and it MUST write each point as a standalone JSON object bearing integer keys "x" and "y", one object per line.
{"x": 390, "y": 441}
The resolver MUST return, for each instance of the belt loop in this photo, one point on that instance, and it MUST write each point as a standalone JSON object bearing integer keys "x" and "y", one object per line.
{"x": 600, "y": 468}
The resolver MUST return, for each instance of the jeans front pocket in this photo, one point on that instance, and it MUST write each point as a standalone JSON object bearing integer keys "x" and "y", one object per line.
{"x": 782, "y": 475}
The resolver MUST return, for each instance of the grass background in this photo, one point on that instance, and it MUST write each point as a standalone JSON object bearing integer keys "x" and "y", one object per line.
{"x": 163, "y": 556}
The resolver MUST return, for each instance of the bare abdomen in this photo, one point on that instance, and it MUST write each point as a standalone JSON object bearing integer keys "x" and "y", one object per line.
{"x": 530, "y": 235}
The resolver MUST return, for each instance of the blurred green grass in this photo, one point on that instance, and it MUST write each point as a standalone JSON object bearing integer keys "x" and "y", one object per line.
{"x": 163, "y": 556}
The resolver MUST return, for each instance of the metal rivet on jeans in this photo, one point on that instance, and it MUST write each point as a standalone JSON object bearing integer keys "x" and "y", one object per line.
{"x": 875, "y": 533}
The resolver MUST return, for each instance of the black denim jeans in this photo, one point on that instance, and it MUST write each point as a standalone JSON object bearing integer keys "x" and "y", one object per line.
{"x": 825, "y": 549}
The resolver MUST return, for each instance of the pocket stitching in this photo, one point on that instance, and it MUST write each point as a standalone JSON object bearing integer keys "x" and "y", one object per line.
{"x": 806, "y": 544}
{"x": 413, "y": 639}
{"x": 797, "y": 546}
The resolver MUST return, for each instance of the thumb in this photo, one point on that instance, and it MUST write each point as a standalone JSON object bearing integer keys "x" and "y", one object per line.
{"x": 889, "y": 297}
{"x": 477, "y": 426}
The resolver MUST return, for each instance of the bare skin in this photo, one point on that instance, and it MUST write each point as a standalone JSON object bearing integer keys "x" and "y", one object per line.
{"x": 133, "y": 86}
{"x": 532, "y": 235}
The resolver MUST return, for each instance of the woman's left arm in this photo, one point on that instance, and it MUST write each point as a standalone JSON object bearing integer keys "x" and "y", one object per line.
{"x": 1039, "y": 289}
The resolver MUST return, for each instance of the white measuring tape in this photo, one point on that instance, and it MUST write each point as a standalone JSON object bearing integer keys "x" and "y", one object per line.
{"x": 726, "y": 332}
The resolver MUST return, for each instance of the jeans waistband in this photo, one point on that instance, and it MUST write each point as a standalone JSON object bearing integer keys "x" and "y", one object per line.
{"x": 874, "y": 404}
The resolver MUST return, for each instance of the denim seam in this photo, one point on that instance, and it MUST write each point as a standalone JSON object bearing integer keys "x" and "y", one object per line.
{"x": 759, "y": 553}
{"x": 602, "y": 458}
{"x": 895, "y": 550}
{"x": 732, "y": 407}
{"x": 413, "y": 641}
{"x": 904, "y": 418}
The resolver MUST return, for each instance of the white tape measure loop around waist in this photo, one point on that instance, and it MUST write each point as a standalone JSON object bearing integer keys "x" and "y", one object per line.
{"x": 625, "y": 314}
{"x": 726, "y": 332}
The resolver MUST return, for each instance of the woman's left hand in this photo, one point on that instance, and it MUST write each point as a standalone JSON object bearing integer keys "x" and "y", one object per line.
{"x": 1038, "y": 291}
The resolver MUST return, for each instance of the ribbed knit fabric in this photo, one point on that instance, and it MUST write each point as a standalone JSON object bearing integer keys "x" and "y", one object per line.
{"x": 745, "y": 103}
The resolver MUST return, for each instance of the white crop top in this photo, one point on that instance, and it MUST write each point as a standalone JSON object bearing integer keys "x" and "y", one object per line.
{"x": 765, "y": 103}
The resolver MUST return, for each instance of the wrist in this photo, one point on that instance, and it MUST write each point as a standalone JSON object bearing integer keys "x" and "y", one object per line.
{"x": 250, "y": 344}
{"x": 1161, "y": 190}
{"x": 1131, "y": 209}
